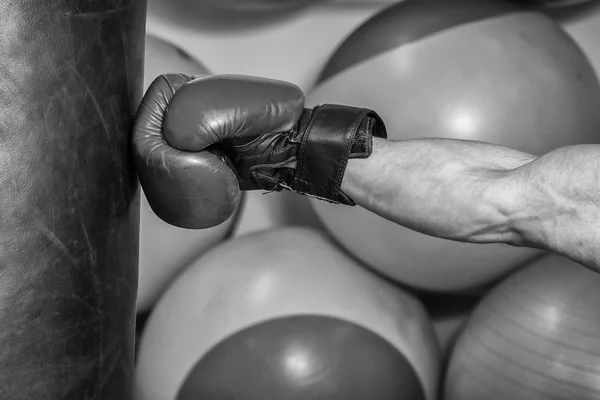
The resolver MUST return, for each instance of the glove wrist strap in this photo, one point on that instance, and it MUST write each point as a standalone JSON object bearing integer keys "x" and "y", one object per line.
{"x": 333, "y": 134}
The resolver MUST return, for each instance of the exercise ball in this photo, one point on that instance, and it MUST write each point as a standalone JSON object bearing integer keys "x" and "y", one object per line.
{"x": 552, "y": 3}
{"x": 165, "y": 249}
{"x": 536, "y": 336}
{"x": 449, "y": 314}
{"x": 260, "y": 212}
{"x": 481, "y": 70}
{"x": 163, "y": 57}
{"x": 583, "y": 24}
{"x": 284, "y": 314}
{"x": 255, "y": 5}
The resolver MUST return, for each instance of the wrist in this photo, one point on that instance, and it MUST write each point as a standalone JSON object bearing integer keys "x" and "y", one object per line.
{"x": 517, "y": 202}
{"x": 331, "y": 136}
{"x": 357, "y": 182}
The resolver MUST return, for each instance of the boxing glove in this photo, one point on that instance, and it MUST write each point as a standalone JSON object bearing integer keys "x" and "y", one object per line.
{"x": 199, "y": 141}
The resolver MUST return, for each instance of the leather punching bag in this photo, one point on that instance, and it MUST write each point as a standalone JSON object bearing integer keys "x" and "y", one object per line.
{"x": 71, "y": 74}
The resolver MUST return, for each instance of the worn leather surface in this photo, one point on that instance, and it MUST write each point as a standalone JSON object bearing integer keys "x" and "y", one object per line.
{"x": 70, "y": 82}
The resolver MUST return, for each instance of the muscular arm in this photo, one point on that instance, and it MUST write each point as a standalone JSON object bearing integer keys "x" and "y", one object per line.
{"x": 482, "y": 193}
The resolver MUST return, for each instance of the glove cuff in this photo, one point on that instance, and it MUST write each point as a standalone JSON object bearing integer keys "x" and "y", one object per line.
{"x": 333, "y": 134}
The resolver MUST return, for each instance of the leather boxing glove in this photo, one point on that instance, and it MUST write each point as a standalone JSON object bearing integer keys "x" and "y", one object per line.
{"x": 198, "y": 141}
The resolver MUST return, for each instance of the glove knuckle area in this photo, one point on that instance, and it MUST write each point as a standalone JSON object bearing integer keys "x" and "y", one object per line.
{"x": 215, "y": 107}
{"x": 147, "y": 132}
{"x": 191, "y": 191}
{"x": 281, "y": 105}
{"x": 163, "y": 89}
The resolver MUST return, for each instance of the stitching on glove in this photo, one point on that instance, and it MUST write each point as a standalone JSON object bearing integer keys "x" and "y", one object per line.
{"x": 301, "y": 151}
{"x": 344, "y": 161}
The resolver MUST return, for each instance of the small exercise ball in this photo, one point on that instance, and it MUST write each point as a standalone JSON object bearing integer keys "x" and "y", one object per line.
{"x": 165, "y": 249}
{"x": 536, "y": 336}
{"x": 481, "y": 70}
{"x": 284, "y": 314}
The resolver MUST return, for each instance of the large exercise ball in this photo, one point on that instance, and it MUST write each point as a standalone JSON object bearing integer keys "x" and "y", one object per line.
{"x": 550, "y": 4}
{"x": 536, "y": 336}
{"x": 284, "y": 314}
{"x": 481, "y": 70}
{"x": 583, "y": 24}
{"x": 165, "y": 249}
{"x": 226, "y": 16}
{"x": 255, "y": 5}
{"x": 163, "y": 56}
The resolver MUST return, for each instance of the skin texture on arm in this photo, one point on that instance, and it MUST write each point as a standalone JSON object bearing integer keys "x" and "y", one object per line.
{"x": 482, "y": 193}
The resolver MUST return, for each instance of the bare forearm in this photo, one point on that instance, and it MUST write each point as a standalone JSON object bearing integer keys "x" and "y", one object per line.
{"x": 445, "y": 188}
{"x": 557, "y": 203}
{"x": 482, "y": 193}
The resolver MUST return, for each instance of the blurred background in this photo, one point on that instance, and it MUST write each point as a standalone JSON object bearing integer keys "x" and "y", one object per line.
{"x": 296, "y": 299}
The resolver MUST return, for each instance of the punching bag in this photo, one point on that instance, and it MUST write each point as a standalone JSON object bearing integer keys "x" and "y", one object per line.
{"x": 71, "y": 75}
